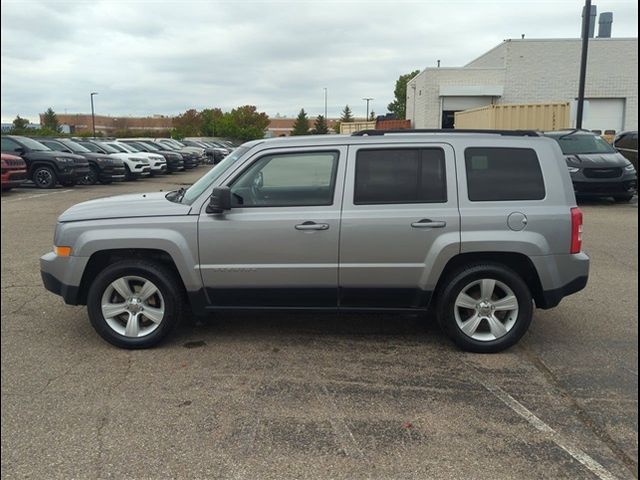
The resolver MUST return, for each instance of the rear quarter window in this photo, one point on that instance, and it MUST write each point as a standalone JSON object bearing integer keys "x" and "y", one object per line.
{"x": 503, "y": 174}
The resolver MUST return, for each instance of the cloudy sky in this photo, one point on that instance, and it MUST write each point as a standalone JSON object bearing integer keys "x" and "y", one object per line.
{"x": 163, "y": 57}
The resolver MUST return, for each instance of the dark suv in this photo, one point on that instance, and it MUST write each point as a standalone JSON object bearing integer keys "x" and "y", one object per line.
{"x": 627, "y": 144}
{"x": 102, "y": 168}
{"x": 46, "y": 167}
{"x": 596, "y": 168}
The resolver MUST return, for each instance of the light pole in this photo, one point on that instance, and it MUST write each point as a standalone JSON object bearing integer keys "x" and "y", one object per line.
{"x": 325, "y": 104}
{"x": 93, "y": 115}
{"x": 367, "y": 99}
{"x": 586, "y": 19}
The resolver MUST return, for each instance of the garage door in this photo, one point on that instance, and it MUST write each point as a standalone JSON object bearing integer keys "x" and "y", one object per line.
{"x": 604, "y": 114}
{"x": 457, "y": 104}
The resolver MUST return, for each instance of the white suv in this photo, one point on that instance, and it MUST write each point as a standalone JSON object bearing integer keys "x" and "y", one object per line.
{"x": 135, "y": 165}
{"x": 157, "y": 162}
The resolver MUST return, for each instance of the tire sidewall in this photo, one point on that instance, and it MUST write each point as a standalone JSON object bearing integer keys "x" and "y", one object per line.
{"x": 165, "y": 282}
{"x": 53, "y": 182}
{"x": 498, "y": 272}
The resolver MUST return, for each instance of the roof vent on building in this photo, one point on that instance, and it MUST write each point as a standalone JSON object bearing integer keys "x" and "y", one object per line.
{"x": 604, "y": 25}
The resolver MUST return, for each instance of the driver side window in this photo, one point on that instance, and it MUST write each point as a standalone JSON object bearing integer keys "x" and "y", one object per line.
{"x": 287, "y": 180}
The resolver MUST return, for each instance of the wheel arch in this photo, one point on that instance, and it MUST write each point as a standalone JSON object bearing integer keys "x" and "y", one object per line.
{"x": 103, "y": 258}
{"x": 518, "y": 262}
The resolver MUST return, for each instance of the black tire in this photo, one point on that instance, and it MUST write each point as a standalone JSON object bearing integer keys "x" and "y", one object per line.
{"x": 128, "y": 175}
{"x": 44, "y": 177}
{"x": 458, "y": 280}
{"x": 168, "y": 287}
{"x": 92, "y": 177}
{"x": 622, "y": 198}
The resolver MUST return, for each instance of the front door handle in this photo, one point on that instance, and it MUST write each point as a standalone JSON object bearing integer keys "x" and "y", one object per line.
{"x": 312, "y": 226}
{"x": 428, "y": 223}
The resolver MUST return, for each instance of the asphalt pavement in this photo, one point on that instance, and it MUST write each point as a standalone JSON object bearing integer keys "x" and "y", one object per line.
{"x": 316, "y": 396}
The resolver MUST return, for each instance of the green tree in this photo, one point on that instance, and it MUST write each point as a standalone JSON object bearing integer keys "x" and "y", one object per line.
{"x": 336, "y": 126}
{"x": 209, "y": 117}
{"x": 372, "y": 116}
{"x": 301, "y": 125}
{"x": 347, "y": 115}
{"x": 243, "y": 123}
{"x": 187, "y": 124}
{"x": 20, "y": 123}
{"x": 50, "y": 120}
{"x": 320, "y": 126}
{"x": 399, "y": 105}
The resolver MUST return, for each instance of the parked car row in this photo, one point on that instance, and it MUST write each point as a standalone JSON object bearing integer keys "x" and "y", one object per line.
{"x": 48, "y": 161}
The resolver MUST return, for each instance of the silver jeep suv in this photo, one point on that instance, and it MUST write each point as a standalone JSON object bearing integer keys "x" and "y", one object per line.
{"x": 479, "y": 226}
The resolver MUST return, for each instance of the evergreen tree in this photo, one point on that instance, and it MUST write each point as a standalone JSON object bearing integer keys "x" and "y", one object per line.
{"x": 50, "y": 120}
{"x": 301, "y": 126}
{"x": 320, "y": 126}
{"x": 372, "y": 116}
{"x": 347, "y": 115}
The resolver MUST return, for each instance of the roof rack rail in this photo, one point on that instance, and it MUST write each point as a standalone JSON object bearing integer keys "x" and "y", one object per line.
{"x": 508, "y": 133}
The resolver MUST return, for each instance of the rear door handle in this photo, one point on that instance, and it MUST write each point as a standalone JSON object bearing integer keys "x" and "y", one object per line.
{"x": 428, "y": 223}
{"x": 312, "y": 226}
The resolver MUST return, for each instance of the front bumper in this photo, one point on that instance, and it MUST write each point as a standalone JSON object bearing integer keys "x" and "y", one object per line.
{"x": 175, "y": 166}
{"x": 13, "y": 178}
{"x": 626, "y": 184}
{"x": 62, "y": 276}
{"x": 112, "y": 174}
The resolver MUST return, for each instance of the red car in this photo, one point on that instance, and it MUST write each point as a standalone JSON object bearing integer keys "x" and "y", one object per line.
{"x": 14, "y": 171}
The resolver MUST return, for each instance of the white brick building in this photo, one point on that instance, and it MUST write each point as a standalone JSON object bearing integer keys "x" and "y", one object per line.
{"x": 534, "y": 71}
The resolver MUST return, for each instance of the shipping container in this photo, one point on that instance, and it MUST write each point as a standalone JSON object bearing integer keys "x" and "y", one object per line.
{"x": 526, "y": 116}
{"x": 352, "y": 127}
{"x": 393, "y": 124}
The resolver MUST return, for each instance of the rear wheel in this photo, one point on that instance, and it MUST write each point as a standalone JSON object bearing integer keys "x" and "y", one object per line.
{"x": 485, "y": 308}
{"x": 44, "y": 177}
{"x": 134, "y": 303}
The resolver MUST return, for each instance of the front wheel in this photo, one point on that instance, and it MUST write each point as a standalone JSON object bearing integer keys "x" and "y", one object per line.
{"x": 91, "y": 178}
{"x": 485, "y": 308}
{"x": 44, "y": 177}
{"x": 134, "y": 303}
{"x": 129, "y": 176}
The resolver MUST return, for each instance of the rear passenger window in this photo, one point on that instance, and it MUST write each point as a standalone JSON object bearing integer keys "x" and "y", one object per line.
{"x": 502, "y": 174}
{"x": 414, "y": 175}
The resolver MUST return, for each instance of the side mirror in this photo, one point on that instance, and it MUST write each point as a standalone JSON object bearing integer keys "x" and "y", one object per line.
{"x": 220, "y": 200}
{"x": 19, "y": 150}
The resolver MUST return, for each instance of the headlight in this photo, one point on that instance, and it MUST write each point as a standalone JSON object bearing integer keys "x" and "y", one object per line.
{"x": 630, "y": 168}
{"x": 573, "y": 169}
{"x": 65, "y": 160}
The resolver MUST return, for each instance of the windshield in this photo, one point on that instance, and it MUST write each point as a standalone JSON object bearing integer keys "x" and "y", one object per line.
{"x": 107, "y": 148}
{"x": 33, "y": 145}
{"x": 76, "y": 147}
{"x": 90, "y": 146}
{"x": 583, "y": 144}
{"x": 127, "y": 147}
{"x": 195, "y": 190}
{"x": 117, "y": 147}
{"x": 152, "y": 146}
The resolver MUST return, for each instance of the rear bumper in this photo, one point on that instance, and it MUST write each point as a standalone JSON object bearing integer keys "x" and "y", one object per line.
{"x": 560, "y": 276}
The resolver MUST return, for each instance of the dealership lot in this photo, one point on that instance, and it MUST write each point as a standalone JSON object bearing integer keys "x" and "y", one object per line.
{"x": 316, "y": 396}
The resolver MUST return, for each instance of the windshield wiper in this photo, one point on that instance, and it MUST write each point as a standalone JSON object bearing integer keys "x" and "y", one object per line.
{"x": 575, "y": 130}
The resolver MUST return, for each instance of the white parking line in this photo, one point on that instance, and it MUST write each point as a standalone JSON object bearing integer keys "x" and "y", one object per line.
{"x": 14, "y": 200}
{"x": 554, "y": 436}
{"x": 340, "y": 428}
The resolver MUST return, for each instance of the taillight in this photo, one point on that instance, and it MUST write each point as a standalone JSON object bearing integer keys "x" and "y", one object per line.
{"x": 576, "y": 230}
